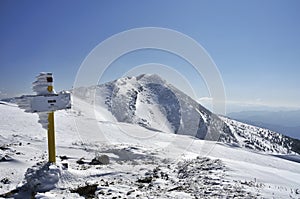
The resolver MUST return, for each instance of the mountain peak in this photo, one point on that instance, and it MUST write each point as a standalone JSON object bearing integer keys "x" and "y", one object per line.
{"x": 153, "y": 78}
{"x": 149, "y": 101}
{"x": 143, "y": 78}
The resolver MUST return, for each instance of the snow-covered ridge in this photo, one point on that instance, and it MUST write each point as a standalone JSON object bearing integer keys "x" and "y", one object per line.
{"x": 149, "y": 101}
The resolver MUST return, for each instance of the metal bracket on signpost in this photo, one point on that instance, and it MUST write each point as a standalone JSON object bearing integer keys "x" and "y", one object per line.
{"x": 46, "y": 102}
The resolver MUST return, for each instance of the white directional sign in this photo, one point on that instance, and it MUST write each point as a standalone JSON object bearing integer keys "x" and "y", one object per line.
{"x": 46, "y": 99}
{"x": 45, "y": 102}
{"x": 51, "y": 102}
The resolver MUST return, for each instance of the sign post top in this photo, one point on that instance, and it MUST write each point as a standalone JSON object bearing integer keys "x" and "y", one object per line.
{"x": 44, "y": 73}
{"x": 43, "y": 84}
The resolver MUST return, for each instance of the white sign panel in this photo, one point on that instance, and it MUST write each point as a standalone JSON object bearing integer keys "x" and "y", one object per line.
{"x": 46, "y": 103}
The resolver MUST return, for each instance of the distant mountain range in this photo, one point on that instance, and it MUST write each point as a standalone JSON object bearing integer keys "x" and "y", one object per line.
{"x": 149, "y": 101}
{"x": 285, "y": 122}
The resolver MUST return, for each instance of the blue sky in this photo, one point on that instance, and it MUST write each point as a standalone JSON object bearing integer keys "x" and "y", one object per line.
{"x": 255, "y": 44}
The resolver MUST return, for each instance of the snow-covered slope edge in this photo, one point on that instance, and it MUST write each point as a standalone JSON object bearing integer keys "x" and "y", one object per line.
{"x": 261, "y": 139}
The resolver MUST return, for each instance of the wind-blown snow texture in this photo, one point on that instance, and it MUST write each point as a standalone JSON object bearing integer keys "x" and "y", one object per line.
{"x": 151, "y": 102}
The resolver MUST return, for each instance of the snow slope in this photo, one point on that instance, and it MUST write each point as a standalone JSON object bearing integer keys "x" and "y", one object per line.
{"x": 144, "y": 163}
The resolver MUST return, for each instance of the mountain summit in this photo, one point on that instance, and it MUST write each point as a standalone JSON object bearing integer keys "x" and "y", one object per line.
{"x": 149, "y": 101}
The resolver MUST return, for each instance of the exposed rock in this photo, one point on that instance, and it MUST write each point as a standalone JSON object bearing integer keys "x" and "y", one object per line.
{"x": 98, "y": 160}
{"x": 87, "y": 191}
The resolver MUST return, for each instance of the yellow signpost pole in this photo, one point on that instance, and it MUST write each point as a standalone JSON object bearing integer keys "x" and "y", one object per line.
{"x": 51, "y": 134}
{"x": 51, "y": 138}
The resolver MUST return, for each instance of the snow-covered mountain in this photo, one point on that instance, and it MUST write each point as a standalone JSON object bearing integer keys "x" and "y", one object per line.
{"x": 149, "y": 101}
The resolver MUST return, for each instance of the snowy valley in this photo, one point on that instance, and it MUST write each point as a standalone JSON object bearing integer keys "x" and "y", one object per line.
{"x": 160, "y": 144}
